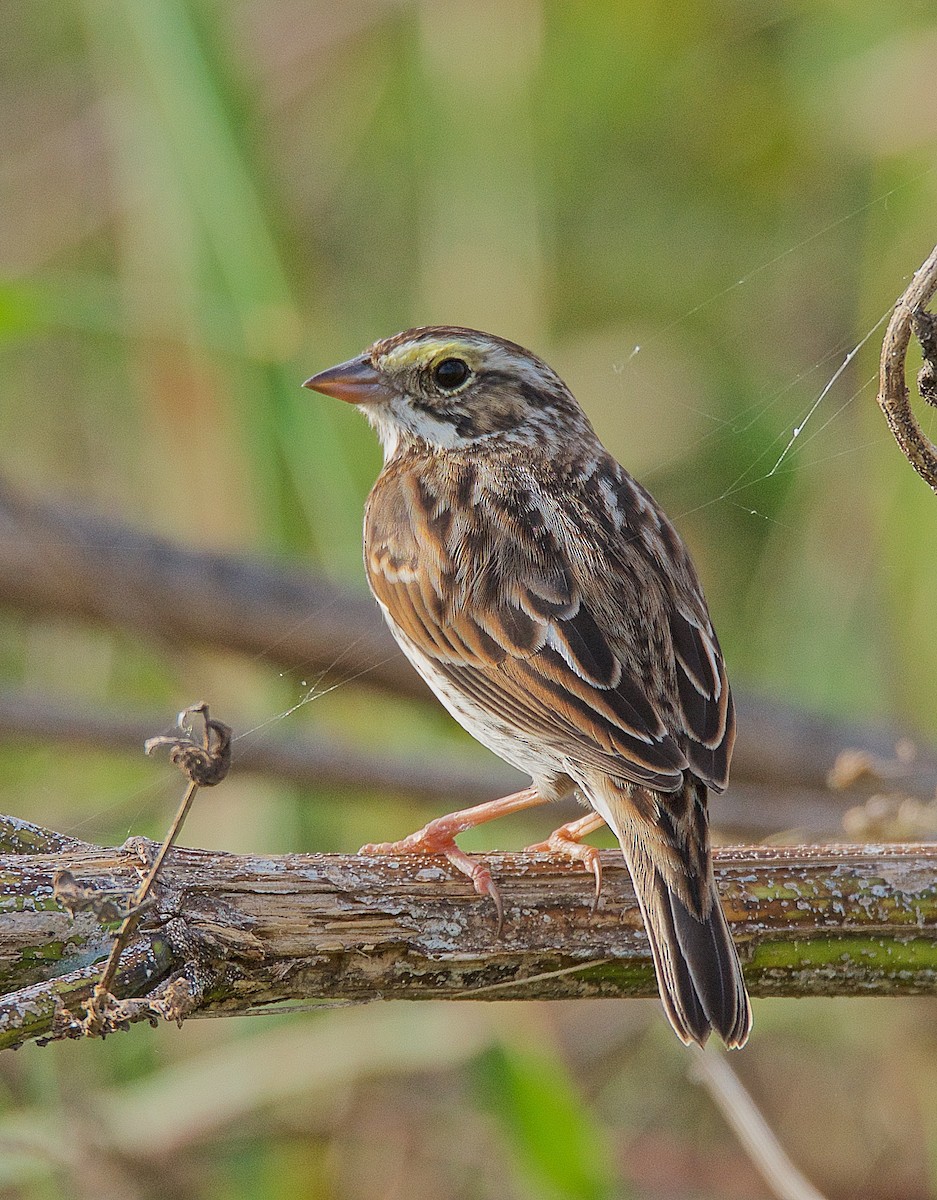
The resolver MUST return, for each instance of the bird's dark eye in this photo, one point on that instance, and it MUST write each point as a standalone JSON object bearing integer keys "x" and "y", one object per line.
{"x": 450, "y": 374}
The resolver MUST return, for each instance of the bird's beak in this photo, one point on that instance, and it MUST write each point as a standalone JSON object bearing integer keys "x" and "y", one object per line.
{"x": 356, "y": 381}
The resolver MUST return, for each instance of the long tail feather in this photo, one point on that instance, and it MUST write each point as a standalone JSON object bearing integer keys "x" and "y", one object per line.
{"x": 665, "y": 841}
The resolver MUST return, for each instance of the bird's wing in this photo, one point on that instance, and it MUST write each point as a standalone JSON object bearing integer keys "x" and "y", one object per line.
{"x": 507, "y": 613}
{"x": 644, "y": 565}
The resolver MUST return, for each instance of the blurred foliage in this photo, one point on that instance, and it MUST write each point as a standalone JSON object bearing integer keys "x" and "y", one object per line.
{"x": 694, "y": 211}
{"x": 558, "y": 1146}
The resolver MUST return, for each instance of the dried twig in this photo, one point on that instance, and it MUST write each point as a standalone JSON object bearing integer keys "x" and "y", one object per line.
{"x": 61, "y": 558}
{"x": 311, "y": 759}
{"x": 710, "y": 1069}
{"x": 205, "y": 763}
{"x": 785, "y": 764}
{"x": 779, "y": 776}
{"x": 910, "y": 313}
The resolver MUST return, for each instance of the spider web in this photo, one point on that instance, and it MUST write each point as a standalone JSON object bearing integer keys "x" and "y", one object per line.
{"x": 783, "y": 456}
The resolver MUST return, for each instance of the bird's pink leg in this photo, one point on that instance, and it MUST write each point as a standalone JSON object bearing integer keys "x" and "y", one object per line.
{"x": 567, "y": 840}
{"x": 438, "y": 837}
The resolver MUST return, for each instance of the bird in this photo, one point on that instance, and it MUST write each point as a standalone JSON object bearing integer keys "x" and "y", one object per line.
{"x": 552, "y": 607}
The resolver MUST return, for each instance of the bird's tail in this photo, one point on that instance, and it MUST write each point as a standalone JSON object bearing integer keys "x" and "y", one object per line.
{"x": 665, "y": 841}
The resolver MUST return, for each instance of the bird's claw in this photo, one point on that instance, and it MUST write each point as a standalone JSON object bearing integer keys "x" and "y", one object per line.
{"x": 563, "y": 841}
{"x": 425, "y": 841}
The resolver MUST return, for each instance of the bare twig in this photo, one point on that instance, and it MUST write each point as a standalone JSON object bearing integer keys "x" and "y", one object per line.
{"x": 756, "y": 1136}
{"x": 779, "y": 776}
{"x": 58, "y": 558}
{"x": 63, "y": 559}
{"x": 783, "y": 795}
{"x": 910, "y": 313}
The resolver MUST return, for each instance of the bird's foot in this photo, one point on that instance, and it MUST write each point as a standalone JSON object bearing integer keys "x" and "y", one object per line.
{"x": 567, "y": 841}
{"x": 438, "y": 837}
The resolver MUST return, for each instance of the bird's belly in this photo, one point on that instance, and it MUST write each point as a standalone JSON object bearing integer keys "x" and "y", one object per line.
{"x": 502, "y": 738}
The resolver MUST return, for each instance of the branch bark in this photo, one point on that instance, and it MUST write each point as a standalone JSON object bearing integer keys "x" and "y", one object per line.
{"x": 232, "y": 933}
{"x": 910, "y": 313}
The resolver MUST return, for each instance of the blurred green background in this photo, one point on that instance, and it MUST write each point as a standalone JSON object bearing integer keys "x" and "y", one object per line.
{"x": 694, "y": 211}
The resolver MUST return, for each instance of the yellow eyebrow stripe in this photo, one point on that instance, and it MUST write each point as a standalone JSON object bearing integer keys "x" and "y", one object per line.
{"x": 422, "y": 352}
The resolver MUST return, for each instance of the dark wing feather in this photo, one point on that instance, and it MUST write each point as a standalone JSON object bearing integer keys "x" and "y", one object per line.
{"x": 502, "y": 616}
{"x": 641, "y": 543}
{"x": 705, "y": 699}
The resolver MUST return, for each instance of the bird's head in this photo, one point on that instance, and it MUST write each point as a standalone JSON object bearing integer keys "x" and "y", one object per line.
{"x": 445, "y": 388}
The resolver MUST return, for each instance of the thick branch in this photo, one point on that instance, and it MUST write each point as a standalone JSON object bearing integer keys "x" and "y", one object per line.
{"x": 236, "y": 933}
{"x": 893, "y": 396}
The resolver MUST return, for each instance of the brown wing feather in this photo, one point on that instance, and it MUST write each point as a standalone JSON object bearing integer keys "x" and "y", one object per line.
{"x": 502, "y": 616}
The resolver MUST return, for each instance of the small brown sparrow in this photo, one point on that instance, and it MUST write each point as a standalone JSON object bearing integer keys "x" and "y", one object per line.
{"x": 553, "y": 609}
